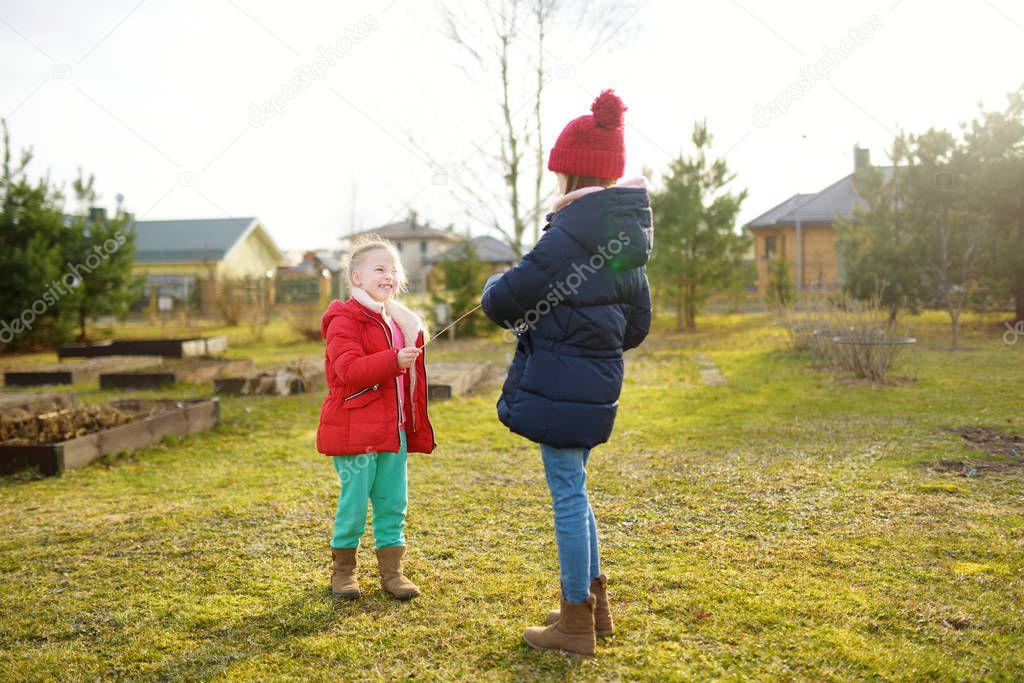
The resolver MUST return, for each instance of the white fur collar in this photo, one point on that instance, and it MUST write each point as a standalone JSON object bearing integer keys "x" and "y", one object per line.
{"x": 407, "y": 321}
{"x": 569, "y": 198}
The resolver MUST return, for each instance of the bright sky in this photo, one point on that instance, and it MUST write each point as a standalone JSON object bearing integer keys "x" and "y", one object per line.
{"x": 156, "y": 98}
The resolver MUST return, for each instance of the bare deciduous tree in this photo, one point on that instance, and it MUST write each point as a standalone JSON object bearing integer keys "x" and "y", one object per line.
{"x": 508, "y": 42}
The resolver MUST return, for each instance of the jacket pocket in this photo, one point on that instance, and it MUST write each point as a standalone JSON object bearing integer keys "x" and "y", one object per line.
{"x": 361, "y": 398}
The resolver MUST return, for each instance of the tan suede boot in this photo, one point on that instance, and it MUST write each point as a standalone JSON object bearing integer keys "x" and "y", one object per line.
{"x": 343, "y": 576}
{"x": 391, "y": 577}
{"x": 572, "y": 634}
{"x": 602, "y": 614}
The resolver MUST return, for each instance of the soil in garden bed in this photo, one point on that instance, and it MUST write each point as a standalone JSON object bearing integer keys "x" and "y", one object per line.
{"x": 987, "y": 440}
{"x": 34, "y": 403}
{"x": 23, "y": 428}
{"x": 970, "y": 468}
{"x": 991, "y": 440}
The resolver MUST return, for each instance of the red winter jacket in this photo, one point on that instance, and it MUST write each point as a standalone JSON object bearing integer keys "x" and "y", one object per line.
{"x": 360, "y": 413}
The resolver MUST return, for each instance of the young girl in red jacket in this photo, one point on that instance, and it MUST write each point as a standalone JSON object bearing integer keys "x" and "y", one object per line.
{"x": 374, "y": 414}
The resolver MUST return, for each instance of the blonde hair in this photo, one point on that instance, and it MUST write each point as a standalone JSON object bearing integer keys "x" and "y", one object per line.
{"x": 363, "y": 246}
{"x": 575, "y": 182}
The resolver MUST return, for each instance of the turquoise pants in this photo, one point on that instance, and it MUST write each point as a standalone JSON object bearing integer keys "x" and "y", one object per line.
{"x": 379, "y": 478}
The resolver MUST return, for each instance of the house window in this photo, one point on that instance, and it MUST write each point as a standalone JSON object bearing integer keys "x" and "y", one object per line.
{"x": 769, "y": 248}
{"x": 399, "y": 245}
{"x": 423, "y": 246}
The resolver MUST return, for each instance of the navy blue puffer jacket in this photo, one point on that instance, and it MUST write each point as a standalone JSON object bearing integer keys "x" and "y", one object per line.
{"x": 575, "y": 302}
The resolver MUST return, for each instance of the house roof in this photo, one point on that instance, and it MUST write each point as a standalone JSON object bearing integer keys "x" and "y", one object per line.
{"x": 189, "y": 240}
{"x": 492, "y": 250}
{"x": 313, "y": 265}
{"x": 778, "y": 212}
{"x": 330, "y": 261}
{"x": 488, "y": 250}
{"x": 839, "y": 198}
{"x": 409, "y": 229}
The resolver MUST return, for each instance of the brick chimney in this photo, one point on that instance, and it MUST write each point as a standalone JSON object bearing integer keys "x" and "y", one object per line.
{"x": 861, "y": 158}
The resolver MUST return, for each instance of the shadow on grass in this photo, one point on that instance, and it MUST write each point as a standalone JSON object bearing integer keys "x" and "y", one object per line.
{"x": 308, "y": 613}
{"x": 406, "y": 630}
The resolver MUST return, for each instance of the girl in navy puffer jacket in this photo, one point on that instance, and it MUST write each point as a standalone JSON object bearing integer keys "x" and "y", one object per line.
{"x": 575, "y": 303}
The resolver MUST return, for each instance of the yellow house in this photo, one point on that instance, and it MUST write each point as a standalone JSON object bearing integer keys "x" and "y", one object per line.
{"x": 183, "y": 260}
{"x": 802, "y": 230}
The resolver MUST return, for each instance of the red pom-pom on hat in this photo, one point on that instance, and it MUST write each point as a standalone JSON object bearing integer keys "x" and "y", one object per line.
{"x": 608, "y": 110}
{"x": 592, "y": 145}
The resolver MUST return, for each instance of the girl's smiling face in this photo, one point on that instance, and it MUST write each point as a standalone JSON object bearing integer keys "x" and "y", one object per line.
{"x": 377, "y": 274}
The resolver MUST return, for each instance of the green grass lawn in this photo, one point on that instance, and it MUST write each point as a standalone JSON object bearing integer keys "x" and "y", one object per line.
{"x": 789, "y": 525}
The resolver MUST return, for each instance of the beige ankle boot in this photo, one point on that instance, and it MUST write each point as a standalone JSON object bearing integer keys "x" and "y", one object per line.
{"x": 391, "y": 577}
{"x": 572, "y": 634}
{"x": 343, "y": 576}
{"x": 602, "y": 614}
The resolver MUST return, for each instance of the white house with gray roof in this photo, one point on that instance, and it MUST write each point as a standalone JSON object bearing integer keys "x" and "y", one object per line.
{"x": 417, "y": 243}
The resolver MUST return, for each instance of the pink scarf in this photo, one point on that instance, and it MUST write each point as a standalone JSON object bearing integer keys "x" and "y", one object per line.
{"x": 567, "y": 199}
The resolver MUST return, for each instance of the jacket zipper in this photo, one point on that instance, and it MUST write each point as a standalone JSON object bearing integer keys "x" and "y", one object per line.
{"x": 391, "y": 345}
{"x": 375, "y": 387}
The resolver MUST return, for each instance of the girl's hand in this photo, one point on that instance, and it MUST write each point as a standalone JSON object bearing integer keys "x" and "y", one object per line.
{"x": 407, "y": 356}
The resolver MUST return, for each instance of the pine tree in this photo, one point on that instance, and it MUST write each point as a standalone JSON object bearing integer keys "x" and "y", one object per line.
{"x": 924, "y": 234}
{"x": 462, "y": 281}
{"x": 995, "y": 146}
{"x": 697, "y": 252}
{"x": 876, "y": 245}
{"x": 101, "y": 251}
{"x": 32, "y": 239}
{"x": 780, "y": 291}
{"x": 952, "y": 234}
{"x": 55, "y": 275}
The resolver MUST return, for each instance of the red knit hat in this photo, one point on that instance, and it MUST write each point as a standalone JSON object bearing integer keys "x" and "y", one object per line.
{"x": 592, "y": 145}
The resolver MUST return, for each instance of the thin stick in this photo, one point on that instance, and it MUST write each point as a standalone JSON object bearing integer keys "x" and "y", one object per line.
{"x": 457, "y": 320}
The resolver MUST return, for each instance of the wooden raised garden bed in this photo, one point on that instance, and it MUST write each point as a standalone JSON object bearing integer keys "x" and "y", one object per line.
{"x": 168, "y": 348}
{"x": 297, "y": 378}
{"x": 18, "y": 403}
{"x": 75, "y": 372}
{"x": 447, "y": 380}
{"x": 73, "y": 437}
{"x": 191, "y": 371}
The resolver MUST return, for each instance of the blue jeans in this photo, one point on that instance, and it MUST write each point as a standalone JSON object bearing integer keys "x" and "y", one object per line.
{"x": 575, "y": 525}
